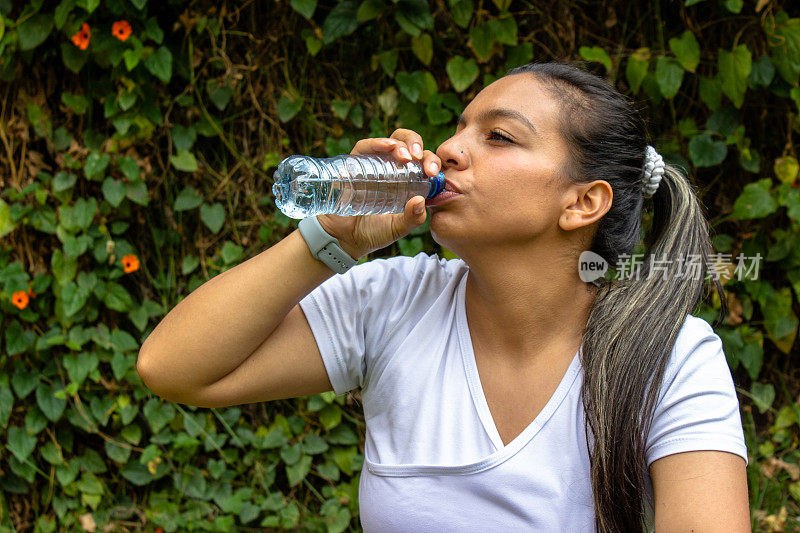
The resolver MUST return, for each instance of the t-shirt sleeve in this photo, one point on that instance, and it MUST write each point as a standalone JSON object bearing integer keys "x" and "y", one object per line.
{"x": 698, "y": 407}
{"x": 351, "y": 314}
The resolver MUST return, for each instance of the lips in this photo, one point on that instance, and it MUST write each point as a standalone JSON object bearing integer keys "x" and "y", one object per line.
{"x": 450, "y": 186}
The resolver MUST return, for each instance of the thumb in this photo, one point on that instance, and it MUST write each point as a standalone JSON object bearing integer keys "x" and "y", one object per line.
{"x": 403, "y": 223}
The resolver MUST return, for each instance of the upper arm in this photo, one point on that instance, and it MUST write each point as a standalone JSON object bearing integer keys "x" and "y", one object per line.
{"x": 287, "y": 364}
{"x": 700, "y": 491}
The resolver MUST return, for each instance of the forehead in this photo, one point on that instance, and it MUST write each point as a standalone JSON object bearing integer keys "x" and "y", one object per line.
{"x": 519, "y": 92}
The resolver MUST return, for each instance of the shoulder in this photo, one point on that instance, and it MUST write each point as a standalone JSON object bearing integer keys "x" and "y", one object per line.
{"x": 697, "y": 349}
{"x": 403, "y": 269}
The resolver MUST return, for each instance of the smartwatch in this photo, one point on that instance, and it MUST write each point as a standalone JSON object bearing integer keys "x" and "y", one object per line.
{"x": 324, "y": 246}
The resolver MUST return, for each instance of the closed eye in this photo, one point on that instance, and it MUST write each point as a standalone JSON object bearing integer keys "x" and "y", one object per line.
{"x": 493, "y": 135}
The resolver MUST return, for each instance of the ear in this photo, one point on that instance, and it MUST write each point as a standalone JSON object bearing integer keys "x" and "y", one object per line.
{"x": 587, "y": 203}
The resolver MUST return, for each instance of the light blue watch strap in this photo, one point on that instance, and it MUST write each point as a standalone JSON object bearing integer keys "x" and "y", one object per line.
{"x": 324, "y": 246}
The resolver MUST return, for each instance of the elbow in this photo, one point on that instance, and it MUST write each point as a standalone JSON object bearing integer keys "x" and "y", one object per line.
{"x": 144, "y": 367}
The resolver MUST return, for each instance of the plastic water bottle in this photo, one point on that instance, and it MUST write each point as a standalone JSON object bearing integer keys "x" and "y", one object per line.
{"x": 350, "y": 185}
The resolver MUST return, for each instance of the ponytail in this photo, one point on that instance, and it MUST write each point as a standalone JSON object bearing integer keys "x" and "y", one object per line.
{"x": 634, "y": 321}
{"x": 632, "y": 327}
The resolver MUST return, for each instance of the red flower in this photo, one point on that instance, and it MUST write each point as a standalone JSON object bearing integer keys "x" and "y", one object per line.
{"x": 20, "y": 299}
{"x": 81, "y": 39}
{"x": 130, "y": 263}
{"x": 121, "y": 30}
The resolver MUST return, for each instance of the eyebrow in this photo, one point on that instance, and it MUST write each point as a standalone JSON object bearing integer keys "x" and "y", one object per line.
{"x": 500, "y": 113}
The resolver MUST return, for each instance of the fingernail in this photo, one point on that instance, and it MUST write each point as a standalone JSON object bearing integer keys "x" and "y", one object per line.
{"x": 434, "y": 168}
{"x": 416, "y": 149}
{"x": 419, "y": 209}
{"x": 404, "y": 153}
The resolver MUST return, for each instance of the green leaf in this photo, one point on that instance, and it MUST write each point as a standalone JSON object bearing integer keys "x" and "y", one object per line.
{"x": 755, "y": 201}
{"x": 95, "y": 165}
{"x": 505, "y": 29}
{"x": 73, "y": 57}
{"x": 63, "y": 181}
{"x": 184, "y": 160}
{"x": 705, "y": 151}
{"x": 763, "y": 395}
{"x": 184, "y": 138}
{"x": 411, "y": 84}
{"x": 7, "y": 404}
{"x": 76, "y": 102}
{"x": 783, "y": 40}
{"x": 763, "y": 71}
{"x": 296, "y": 473}
{"x": 88, "y": 5}
{"x": 219, "y": 93}
{"x": 669, "y": 76}
{"x": 304, "y": 7}
{"x": 136, "y": 191}
{"x": 462, "y": 72}
{"x": 288, "y": 107}
{"x": 158, "y": 414}
{"x": 595, "y": 53}
{"x": 734, "y": 6}
{"x": 786, "y": 168}
{"x": 213, "y": 216}
{"x": 314, "y": 444}
{"x": 189, "y": 263}
{"x": 461, "y": 10}
{"x": 340, "y": 108}
{"x": 414, "y": 16}
{"x": 711, "y": 92}
{"x": 187, "y": 199}
{"x": 117, "y": 298}
{"x": 132, "y": 56}
{"x": 52, "y": 407}
{"x": 422, "y": 47}
{"x": 340, "y": 21}
{"x": 6, "y": 225}
{"x": 20, "y": 443}
{"x": 160, "y": 64}
{"x": 330, "y": 416}
{"x": 369, "y": 9}
{"x": 734, "y": 68}
{"x": 687, "y": 50}
{"x": 481, "y": 39}
{"x": 387, "y": 101}
{"x": 34, "y": 30}
{"x": 62, "y": 10}
{"x": 113, "y": 191}
{"x": 518, "y": 55}
{"x": 231, "y": 253}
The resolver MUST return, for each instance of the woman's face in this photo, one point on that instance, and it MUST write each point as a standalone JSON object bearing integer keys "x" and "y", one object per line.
{"x": 506, "y": 157}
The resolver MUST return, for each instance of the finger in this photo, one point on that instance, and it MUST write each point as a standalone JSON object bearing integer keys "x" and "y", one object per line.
{"x": 432, "y": 163}
{"x": 368, "y": 146}
{"x": 412, "y": 139}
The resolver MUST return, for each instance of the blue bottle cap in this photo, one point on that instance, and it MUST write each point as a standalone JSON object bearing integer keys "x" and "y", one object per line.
{"x": 437, "y": 184}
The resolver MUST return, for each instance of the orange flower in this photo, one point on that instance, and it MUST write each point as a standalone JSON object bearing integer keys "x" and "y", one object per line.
{"x": 20, "y": 299}
{"x": 121, "y": 30}
{"x": 81, "y": 39}
{"x": 131, "y": 263}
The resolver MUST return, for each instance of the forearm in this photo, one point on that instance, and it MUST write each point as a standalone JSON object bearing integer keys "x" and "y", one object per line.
{"x": 216, "y": 327}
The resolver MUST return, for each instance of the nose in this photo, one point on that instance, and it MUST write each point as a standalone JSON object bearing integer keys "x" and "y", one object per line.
{"x": 452, "y": 155}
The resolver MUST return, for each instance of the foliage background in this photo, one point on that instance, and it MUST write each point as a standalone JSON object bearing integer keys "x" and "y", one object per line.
{"x": 133, "y": 171}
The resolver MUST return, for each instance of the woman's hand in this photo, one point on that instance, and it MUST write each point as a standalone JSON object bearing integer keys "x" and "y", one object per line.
{"x": 362, "y": 234}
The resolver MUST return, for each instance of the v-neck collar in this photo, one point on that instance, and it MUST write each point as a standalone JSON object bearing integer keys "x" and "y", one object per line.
{"x": 476, "y": 389}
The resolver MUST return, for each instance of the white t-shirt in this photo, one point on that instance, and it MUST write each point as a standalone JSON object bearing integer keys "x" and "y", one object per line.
{"x": 433, "y": 459}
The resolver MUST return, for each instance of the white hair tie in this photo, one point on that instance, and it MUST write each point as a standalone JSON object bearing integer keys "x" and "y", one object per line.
{"x": 653, "y": 170}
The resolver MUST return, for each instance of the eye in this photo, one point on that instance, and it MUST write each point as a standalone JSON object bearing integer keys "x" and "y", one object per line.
{"x": 493, "y": 135}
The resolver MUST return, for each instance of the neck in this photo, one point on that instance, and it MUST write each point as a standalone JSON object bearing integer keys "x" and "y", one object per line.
{"x": 529, "y": 304}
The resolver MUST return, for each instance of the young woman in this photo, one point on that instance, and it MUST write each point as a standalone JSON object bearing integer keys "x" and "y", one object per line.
{"x": 501, "y": 392}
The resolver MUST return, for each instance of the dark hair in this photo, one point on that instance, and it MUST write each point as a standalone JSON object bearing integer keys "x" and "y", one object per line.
{"x": 634, "y": 321}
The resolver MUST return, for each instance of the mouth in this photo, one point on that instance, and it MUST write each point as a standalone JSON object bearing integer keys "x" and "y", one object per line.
{"x": 449, "y": 186}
